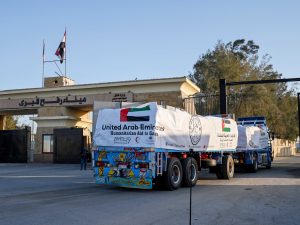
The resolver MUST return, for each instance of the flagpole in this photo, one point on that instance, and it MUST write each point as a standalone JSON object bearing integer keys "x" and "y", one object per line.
{"x": 66, "y": 53}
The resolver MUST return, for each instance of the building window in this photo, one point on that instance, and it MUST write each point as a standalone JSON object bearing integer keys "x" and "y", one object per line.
{"x": 48, "y": 143}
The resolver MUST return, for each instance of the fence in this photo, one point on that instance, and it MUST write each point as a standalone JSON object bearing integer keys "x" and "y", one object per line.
{"x": 282, "y": 148}
{"x": 206, "y": 104}
{"x": 209, "y": 104}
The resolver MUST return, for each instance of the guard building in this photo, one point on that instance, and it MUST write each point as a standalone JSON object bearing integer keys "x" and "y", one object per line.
{"x": 63, "y": 115}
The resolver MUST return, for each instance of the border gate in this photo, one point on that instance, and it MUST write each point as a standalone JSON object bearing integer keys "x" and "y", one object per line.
{"x": 68, "y": 142}
{"x": 15, "y": 145}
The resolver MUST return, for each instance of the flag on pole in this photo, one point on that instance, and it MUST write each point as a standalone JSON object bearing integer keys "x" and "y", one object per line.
{"x": 60, "y": 52}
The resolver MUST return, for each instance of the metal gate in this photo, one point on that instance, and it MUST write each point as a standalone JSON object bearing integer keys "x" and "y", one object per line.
{"x": 209, "y": 104}
{"x": 14, "y": 145}
{"x": 204, "y": 104}
{"x": 68, "y": 142}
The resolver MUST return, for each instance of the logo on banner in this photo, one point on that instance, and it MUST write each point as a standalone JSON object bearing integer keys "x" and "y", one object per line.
{"x": 224, "y": 127}
{"x": 122, "y": 140}
{"x": 195, "y": 130}
{"x": 137, "y": 140}
{"x": 150, "y": 140}
{"x": 135, "y": 114}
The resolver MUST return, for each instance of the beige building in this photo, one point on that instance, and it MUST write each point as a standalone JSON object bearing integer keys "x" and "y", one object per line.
{"x": 62, "y": 104}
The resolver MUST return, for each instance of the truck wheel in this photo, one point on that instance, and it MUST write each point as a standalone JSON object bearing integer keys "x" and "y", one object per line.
{"x": 254, "y": 167}
{"x": 173, "y": 176}
{"x": 227, "y": 167}
{"x": 190, "y": 172}
{"x": 269, "y": 165}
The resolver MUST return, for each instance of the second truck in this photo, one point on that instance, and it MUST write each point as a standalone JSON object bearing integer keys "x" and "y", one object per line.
{"x": 254, "y": 144}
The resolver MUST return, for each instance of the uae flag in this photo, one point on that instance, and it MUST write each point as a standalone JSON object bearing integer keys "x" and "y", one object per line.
{"x": 135, "y": 114}
{"x": 60, "y": 52}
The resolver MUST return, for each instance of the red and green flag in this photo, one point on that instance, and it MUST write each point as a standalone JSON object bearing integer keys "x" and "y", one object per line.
{"x": 61, "y": 50}
{"x": 224, "y": 128}
{"x": 135, "y": 114}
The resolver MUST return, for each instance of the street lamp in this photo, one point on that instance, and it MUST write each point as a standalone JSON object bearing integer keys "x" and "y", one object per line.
{"x": 298, "y": 138}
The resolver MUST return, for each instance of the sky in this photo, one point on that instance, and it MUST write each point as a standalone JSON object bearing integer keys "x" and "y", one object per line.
{"x": 124, "y": 40}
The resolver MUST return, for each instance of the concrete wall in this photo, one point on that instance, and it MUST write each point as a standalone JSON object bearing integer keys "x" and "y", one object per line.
{"x": 169, "y": 98}
{"x": 38, "y": 155}
{"x": 283, "y": 148}
{"x": 53, "y": 82}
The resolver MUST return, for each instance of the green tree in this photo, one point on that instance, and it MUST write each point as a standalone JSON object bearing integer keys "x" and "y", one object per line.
{"x": 11, "y": 123}
{"x": 239, "y": 61}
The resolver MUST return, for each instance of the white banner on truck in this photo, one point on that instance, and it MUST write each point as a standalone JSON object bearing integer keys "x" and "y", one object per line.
{"x": 252, "y": 137}
{"x": 151, "y": 125}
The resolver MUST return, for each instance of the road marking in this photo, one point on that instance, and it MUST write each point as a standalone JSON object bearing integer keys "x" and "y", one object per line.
{"x": 253, "y": 181}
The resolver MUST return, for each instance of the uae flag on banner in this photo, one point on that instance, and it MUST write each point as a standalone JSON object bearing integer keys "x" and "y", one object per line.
{"x": 60, "y": 52}
{"x": 135, "y": 114}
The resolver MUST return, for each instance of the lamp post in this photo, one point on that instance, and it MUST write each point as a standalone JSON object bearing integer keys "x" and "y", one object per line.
{"x": 298, "y": 102}
{"x": 191, "y": 186}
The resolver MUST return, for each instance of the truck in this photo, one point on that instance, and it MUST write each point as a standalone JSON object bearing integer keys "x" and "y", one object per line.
{"x": 254, "y": 147}
{"x": 160, "y": 146}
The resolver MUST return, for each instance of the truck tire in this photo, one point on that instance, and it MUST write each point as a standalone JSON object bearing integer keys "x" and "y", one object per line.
{"x": 269, "y": 165}
{"x": 254, "y": 167}
{"x": 226, "y": 170}
{"x": 173, "y": 175}
{"x": 190, "y": 172}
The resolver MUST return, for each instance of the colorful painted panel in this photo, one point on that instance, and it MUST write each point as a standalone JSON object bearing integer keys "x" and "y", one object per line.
{"x": 127, "y": 168}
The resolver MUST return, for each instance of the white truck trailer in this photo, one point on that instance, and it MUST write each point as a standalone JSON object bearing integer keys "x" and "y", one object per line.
{"x": 148, "y": 145}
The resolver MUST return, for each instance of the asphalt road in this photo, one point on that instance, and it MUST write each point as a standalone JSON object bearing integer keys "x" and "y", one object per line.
{"x": 51, "y": 194}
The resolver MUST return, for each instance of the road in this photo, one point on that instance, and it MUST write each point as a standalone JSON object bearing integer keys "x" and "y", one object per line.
{"x": 50, "y": 194}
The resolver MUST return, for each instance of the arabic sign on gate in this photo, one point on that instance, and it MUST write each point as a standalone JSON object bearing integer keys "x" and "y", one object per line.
{"x": 57, "y": 100}
{"x": 62, "y": 100}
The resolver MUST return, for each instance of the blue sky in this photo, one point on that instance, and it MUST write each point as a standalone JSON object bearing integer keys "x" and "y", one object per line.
{"x": 124, "y": 40}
